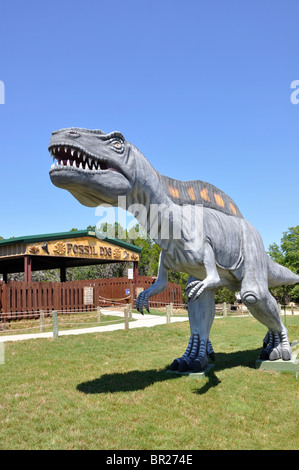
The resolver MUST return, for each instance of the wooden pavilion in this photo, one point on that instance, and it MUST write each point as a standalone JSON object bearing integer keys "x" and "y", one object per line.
{"x": 63, "y": 250}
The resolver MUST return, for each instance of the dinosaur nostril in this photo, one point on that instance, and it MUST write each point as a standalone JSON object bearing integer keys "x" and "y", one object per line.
{"x": 73, "y": 134}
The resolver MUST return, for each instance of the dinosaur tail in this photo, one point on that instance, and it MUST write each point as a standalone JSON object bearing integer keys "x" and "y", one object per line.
{"x": 279, "y": 275}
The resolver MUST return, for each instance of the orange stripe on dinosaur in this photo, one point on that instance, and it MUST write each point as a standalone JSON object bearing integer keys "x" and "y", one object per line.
{"x": 205, "y": 194}
{"x": 233, "y": 209}
{"x": 219, "y": 200}
{"x": 174, "y": 192}
{"x": 191, "y": 193}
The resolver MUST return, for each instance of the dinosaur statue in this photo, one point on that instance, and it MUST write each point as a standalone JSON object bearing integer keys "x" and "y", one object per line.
{"x": 207, "y": 236}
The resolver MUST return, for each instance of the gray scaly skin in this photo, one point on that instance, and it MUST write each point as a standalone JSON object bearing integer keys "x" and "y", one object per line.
{"x": 227, "y": 251}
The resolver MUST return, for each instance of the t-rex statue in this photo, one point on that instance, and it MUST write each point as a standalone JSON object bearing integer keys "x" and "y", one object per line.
{"x": 205, "y": 234}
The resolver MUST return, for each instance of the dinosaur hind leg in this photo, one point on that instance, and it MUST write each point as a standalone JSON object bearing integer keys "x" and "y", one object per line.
{"x": 256, "y": 296}
{"x": 201, "y": 313}
{"x": 264, "y": 308}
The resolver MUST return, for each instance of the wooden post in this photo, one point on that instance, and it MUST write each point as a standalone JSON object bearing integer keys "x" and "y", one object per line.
{"x": 55, "y": 324}
{"x": 62, "y": 274}
{"x": 224, "y": 309}
{"x": 135, "y": 278}
{"x": 27, "y": 268}
{"x": 3, "y": 301}
{"x": 126, "y": 312}
{"x": 130, "y": 312}
{"x": 168, "y": 313}
{"x": 99, "y": 314}
{"x": 42, "y": 320}
{"x": 171, "y": 309}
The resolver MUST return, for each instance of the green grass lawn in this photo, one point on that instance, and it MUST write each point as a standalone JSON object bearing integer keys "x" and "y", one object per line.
{"x": 111, "y": 391}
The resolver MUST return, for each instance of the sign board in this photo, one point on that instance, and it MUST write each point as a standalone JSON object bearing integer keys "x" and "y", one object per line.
{"x": 130, "y": 273}
{"x": 82, "y": 247}
{"x": 88, "y": 295}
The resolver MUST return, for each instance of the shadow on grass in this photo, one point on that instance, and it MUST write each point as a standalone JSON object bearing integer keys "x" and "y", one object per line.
{"x": 125, "y": 382}
{"x": 139, "y": 380}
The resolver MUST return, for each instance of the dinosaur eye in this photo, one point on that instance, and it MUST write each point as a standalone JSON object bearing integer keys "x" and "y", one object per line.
{"x": 117, "y": 144}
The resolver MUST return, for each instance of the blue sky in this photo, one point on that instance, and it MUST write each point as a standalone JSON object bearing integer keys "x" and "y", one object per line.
{"x": 201, "y": 88}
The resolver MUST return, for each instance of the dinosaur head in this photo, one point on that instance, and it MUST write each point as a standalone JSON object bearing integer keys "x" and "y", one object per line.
{"x": 89, "y": 163}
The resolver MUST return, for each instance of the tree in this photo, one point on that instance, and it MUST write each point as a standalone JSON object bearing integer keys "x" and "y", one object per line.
{"x": 287, "y": 254}
{"x": 224, "y": 295}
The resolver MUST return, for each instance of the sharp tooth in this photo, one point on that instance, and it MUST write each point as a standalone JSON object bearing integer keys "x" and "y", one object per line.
{"x": 84, "y": 158}
{"x": 78, "y": 153}
{"x": 93, "y": 167}
{"x": 74, "y": 163}
{"x": 72, "y": 151}
{"x": 52, "y": 166}
{"x": 58, "y": 148}
{"x": 80, "y": 166}
{"x": 68, "y": 163}
{"x": 65, "y": 149}
{"x": 90, "y": 161}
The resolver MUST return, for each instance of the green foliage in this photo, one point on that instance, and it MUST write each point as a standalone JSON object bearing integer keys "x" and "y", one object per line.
{"x": 287, "y": 254}
{"x": 224, "y": 295}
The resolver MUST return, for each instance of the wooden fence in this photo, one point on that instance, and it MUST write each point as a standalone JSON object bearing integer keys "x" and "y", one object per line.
{"x": 17, "y": 297}
{"x": 113, "y": 291}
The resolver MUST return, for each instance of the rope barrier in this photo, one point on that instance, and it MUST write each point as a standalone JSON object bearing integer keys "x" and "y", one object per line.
{"x": 112, "y": 300}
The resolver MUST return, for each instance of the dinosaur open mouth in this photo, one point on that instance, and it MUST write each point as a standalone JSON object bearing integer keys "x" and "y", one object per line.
{"x": 66, "y": 156}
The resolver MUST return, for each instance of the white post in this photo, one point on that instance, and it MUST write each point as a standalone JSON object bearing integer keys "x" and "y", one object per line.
{"x": 126, "y": 312}
{"x": 99, "y": 314}
{"x": 55, "y": 324}
{"x": 168, "y": 312}
{"x": 42, "y": 321}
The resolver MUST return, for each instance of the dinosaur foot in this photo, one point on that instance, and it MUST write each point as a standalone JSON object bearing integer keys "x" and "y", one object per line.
{"x": 192, "y": 364}
{"x": 195, "y": 288}
{"x": 276, "y": 346}
{"x": 195, "y": 357}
